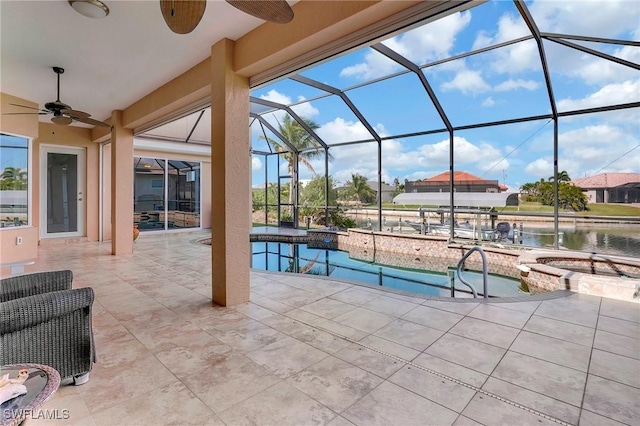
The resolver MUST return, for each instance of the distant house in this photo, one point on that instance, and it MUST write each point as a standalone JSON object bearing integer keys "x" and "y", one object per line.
{"x": 463, "y": 182}
{"x": 611, "y": 187}
{"x": 387, "y": 191}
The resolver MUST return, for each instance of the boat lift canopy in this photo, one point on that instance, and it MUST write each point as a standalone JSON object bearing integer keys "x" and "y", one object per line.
{"x": 461, "y": 199}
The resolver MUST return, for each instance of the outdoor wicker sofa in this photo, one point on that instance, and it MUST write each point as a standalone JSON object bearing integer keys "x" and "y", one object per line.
{"x": 44, "y": 321}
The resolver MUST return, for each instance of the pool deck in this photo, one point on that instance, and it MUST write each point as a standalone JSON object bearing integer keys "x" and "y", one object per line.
{"x": 312, "y": 351}
{"x": 274, "y": 230}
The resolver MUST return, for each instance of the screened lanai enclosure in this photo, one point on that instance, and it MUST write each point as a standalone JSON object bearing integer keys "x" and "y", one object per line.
{"x": 499, "y": 97}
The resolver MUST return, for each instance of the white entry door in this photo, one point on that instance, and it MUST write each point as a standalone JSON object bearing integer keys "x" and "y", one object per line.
{"x": 62, "y": 189}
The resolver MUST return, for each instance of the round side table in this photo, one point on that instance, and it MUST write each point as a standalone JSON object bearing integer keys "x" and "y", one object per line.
{"x": 42, "y": 382}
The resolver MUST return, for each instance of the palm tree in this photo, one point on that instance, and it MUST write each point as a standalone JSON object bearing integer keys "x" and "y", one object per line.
{"x": 360, "y": 189}
{"x": 563, "y": 176}
{"x": 13, "y": 178}
{"x": 297, "y": 136}
{"x": 538, "y": 187}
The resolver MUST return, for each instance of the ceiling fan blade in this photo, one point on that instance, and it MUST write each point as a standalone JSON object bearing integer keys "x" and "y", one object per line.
{"x": 91, "y": 121}
{"x": 24, "y": 106}
{"x": 277, "y": 11}
{"x": 182, "y": 16}
{"x": 25, "y": 113}
{"x": 75, "y": 113}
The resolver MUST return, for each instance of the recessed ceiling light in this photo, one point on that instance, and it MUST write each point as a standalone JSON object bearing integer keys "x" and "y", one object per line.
{"x": 90, "y": 8}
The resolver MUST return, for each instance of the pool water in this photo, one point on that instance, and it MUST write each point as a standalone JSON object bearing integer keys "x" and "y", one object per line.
{"x": 298, "y": 258}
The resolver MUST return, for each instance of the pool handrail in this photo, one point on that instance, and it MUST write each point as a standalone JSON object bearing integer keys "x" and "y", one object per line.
{"x": 485, "y": 274}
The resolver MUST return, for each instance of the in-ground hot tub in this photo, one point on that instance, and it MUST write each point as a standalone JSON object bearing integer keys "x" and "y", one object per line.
{"x": 588, "y": 273}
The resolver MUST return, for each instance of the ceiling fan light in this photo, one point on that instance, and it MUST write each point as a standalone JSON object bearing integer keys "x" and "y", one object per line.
{"x": 61, "y": 120}
{"x": 90, "y": 8}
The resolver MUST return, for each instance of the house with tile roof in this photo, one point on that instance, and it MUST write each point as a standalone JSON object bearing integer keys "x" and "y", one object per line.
{"x": 463, "y": 182}
{"x": 611, "y": 187}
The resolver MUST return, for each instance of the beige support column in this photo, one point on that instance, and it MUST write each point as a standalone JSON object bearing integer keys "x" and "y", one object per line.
{"x": 121, "y": 186}
{"x": 230, "y": 179}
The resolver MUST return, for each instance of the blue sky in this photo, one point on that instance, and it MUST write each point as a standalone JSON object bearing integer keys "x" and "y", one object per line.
{"x": 500, "y": 84}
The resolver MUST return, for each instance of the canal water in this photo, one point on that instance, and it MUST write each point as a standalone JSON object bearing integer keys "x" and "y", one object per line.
{"x": 614, "y": 239}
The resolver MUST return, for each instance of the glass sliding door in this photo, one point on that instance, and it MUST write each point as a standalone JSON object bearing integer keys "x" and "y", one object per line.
{"x": 149, "y": 194}
{"x": 183, "y": 194}
{"x": 166, "y": 194}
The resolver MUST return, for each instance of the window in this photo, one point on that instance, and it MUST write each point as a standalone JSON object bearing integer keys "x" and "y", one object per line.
{"x": 14, "y": 181}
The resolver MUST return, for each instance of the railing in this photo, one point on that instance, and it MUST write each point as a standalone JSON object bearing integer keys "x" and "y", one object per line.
{"x": 485, "y": 274}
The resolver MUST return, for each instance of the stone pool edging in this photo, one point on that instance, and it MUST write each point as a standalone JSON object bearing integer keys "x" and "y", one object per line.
{"x": 540, "y": 270}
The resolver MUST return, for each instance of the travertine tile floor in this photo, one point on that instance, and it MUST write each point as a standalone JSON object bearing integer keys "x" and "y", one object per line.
{"x": 309, "y": 351}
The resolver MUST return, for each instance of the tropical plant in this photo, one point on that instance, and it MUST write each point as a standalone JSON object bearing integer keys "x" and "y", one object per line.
{"x": 359, "y": 189}
{"x": 313, "y": 192}
{"x": 570, "y": 197}
{"x": 271, "y": 192}
{"x": 13, "y": 178}
{"x": 312, "y": 200}
{"x": 297, "y": 136}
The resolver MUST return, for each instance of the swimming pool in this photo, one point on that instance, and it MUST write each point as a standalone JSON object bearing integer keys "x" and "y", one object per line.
{"x": 298, "y": 258}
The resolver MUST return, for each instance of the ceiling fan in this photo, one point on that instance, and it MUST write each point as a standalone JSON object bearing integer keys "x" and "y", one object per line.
{"x": 183, "y": 16}
{"x": 62, "y": 113}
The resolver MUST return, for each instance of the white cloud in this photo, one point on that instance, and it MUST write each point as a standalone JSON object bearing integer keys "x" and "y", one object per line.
{"x": 466, "y": 153}
{"x": 306, "y": 110}
{"x": 256, "y": 164}
{"x": 398, "y": 161}
{"x": 275, "y": 96}
{"x": 509, "y": 28}
{"x": 361, "y": 158}
{"x": 540, "y": 167}
{"x": 432, "y": 41}
{"x": 374, "y": 65}
{"x": 426, "y": 43}
{"x": 340, "y": 130}
{"x": 628, "y": 91}
{"x": 517, "y": 58}
{"x": 483, "y": 39}
{"x": 610, "y": 19}
{"x": 588, "y": 17}
{"x": 579, "y": 140}
{"x": 489, "y": 102}
{"x": 516, "y": 84}
{"x": 468, "y": 82}
{"x": 590, "y": 148}
{"x": 594, "y": 70}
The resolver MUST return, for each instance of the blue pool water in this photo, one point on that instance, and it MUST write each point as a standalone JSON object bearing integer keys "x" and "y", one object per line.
{"x": 285, "y": 257}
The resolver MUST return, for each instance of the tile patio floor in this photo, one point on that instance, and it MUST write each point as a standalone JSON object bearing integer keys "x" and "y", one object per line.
{"x": 309, "y": 351}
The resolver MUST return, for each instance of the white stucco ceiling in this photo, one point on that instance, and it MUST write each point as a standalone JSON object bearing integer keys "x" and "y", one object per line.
{"x": 110, "y": 62}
